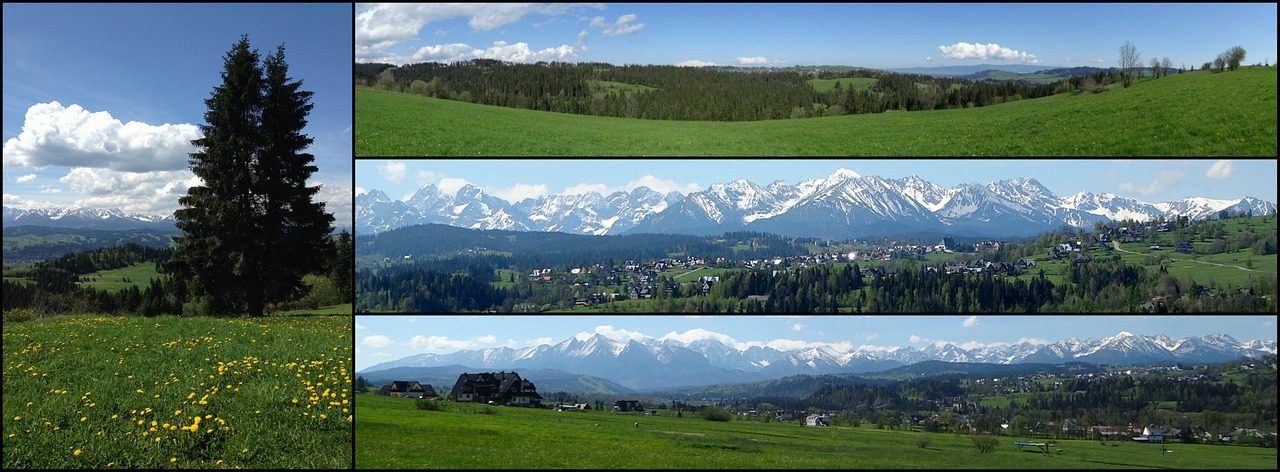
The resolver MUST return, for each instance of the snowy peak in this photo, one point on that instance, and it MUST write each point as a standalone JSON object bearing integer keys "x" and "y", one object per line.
{"x": 845, "y": 204}
{"x": 75, "y": 217}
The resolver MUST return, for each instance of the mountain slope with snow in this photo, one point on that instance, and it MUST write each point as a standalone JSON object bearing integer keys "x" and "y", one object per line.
{"x": 651, "y": 364}
{"x": 842, "y": 205}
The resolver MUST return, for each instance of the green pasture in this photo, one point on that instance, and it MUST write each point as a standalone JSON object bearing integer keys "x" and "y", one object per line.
{"x": 139, "y": 274}
{"x": 858, "y": 83}
{"x": 91, "y": 392}
{"x": 621, "y": 88}
{"x": 1231, "y": 113}
{"x": 391, "y": 433}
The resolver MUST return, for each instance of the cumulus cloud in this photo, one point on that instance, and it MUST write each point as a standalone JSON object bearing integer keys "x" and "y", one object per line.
{"x": 451, "y": 185}
{"x": 598, "y": 22}
{"x": 797, "y": 327}
{"x": 964, "y": 50}
{"x": 698, "y": 334}
{"x": 392, "y": 171}
{"x": 970, "y": 322}
{"x": 501, "y": 50}
{"x": 337, "y": 200}
{"x": 695, "y": 63}
{"x": 376, "y": 341}
{"x": 1163, "y": 181}
{"x": 613, "y": 333}
{"x": 518, "y": 192}
{"x": 622, "y": 26}
{"x": 916, "y": 339}
{"x": 142, "y": 192}
{"x": 381, "y": 27}
{"x": 1220, "y": 170}
{"x": 25, "y": 178}
{"x": 654, "y": 183}
{"x": 752, "y": 60}
{"x": 53, "y": 135}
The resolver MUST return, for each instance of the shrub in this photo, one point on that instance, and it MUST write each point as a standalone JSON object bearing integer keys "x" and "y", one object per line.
{"x": 18, "y": 315}
{"x": 712, "y": 413}
{"x": 487, "y": 410}
{"x": 924, "y": 441}
{"x": 428, "y": 404}
{"x": 985, "y": 443}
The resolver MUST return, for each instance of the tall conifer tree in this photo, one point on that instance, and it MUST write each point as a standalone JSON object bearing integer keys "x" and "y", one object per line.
{"x": 251, "y": 230}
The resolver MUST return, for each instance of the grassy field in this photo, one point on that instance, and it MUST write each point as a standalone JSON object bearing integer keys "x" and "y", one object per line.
{"x": 858, "y": 83}
{"x": 115, "y": 280}
{"x": 1199, "y": 114}
{"x": 392, "y": 433}
{"x": 126, "y": 392}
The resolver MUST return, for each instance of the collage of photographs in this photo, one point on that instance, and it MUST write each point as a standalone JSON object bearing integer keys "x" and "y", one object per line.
{"x": 639, "y": 236}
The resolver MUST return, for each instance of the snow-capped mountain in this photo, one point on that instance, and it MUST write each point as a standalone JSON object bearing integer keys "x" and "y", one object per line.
{"x": 843, "y": 205}
{"x": 86, "y": 218}
{"x": 649, "y": 364}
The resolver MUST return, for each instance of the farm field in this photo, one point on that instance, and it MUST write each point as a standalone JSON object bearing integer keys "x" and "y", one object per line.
{"x": 1235, "y": 114}
{"x": 125, "y": 392}
{"x": 510, "y": 437}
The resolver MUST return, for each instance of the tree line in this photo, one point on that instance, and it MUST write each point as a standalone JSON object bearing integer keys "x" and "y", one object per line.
{"x": 683, "y": 93}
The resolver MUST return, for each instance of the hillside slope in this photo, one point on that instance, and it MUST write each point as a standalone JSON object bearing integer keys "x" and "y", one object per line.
{"x": 1197, "y": 114}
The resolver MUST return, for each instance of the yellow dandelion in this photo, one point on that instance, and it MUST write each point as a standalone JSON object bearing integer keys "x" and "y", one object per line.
{"x": 173, "y": 459}
{"x": 76, "y": 453}
{"x": 83, "y": 418}
{"x": 17, "y": 418}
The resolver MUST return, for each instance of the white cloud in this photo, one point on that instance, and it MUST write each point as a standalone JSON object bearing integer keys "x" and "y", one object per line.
{"x": 964, "y": 50}
{"x": 359, "y": 326}
{"x": 501, "y": 50}
{"x": 797, "y": 327}
{"x": 752, "y": 60}
{"x": 582, "y": 36}
{"x": 539, "y": 341}
{"x": 610, "y": 332}
{"x": 1164, "y": 180}
{"x": 621, "y": 27}
{"x": 663, "y": 185}
{"x": 1220, "y": 170}
{"x": 583, "y": 189}
{"x": 25, "y": 178}
{"x": 154, "y": 192}
{"x": 361, "y": 190}
{"x": 518, "y": 192}
{"x": 698, "y": 334}
{"x": 392, "y": 171}
{"x": 598, "y": 22}
{"x": 695, "y": 63}
{"x": 53, "y": 135}
{"x": 337, "y": 200}
{"x": 654, "y": 183}
{"x": 970, "y": 322}
{"x": 376, "y": 341}
{"x": 916, "y": 339}
{"x": 451, "y": 185}
{"x": 381, "y": 27}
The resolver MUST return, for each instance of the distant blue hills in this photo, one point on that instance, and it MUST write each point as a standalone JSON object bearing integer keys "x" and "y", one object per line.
{"x": 968, "y": 70}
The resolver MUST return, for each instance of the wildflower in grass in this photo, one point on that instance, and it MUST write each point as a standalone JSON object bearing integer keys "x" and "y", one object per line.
{"x": 173, "y": 459}
{"x": 76, "y": 453}
{"x": 17, "y": 418}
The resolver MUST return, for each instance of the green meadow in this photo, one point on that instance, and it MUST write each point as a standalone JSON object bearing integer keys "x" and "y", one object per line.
{"x": 391, "y": 433}
{"x": 122, "y": 278}
{"x": 168, "y": 392}
{"x": 1196, "y": 114}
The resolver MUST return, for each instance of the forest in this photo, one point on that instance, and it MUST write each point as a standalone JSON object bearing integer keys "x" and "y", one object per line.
{"x": 698, "y": 94}
{"x": 57, "y": 286}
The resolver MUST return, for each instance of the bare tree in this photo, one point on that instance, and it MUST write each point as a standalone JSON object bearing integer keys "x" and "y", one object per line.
{"x": 1220, "y": 62}
{"x": 1166, "y": 64}
{"x": 1155, "y": 67}
{"x": 1130, "y": 61}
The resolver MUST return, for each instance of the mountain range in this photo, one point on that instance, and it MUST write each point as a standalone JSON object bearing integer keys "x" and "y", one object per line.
{"x": 655, "y": 364}
{"x": 841, "y": 206}
{"x": 85, "y": 218}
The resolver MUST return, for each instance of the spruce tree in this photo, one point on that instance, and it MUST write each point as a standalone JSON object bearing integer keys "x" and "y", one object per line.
{"x": 251, "y": 231}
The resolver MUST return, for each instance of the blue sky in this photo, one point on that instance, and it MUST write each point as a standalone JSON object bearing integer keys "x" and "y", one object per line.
{"x": 785, "y": 34}
{"x": 1146, "y": 180}
{"x": 390, "y": 337}
{"x": 109, "y": 95}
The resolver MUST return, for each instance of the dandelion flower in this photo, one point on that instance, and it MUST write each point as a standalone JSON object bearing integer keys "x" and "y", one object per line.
{"x": 173, "y": 459}
{"x": 76, "y": 453}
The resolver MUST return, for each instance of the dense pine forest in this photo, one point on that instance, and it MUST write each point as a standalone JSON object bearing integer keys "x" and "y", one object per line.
{"x": 701, "y": 94}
